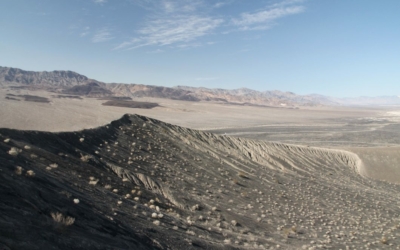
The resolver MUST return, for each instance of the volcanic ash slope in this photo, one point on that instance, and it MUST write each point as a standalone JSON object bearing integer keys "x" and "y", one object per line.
{"x": 139, "y": 183}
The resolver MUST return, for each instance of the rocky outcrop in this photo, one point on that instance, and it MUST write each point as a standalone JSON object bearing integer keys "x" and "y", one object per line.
{"x": 91, "y": 89}
{"x": 59, "y": 79}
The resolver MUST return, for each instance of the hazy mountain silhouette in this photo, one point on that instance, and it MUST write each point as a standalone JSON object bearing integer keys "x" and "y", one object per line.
{"x": 69, "y": 82}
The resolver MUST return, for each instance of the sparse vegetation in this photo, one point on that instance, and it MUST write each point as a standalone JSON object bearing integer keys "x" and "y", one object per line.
{"x": 85, "y": 158}
{"x": 62, "y": 220}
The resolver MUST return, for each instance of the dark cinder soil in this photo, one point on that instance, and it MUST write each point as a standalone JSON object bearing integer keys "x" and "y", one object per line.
{"x": 145, "y": 184}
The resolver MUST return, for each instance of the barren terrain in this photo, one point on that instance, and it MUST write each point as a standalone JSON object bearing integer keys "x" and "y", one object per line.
{"x": 196, "y": 175}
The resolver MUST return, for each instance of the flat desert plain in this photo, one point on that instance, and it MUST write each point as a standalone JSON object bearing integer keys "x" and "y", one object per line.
{"x": 371, "y": 132}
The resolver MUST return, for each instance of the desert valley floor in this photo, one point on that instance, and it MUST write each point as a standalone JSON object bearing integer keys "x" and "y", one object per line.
{"x": 76, "y": 174}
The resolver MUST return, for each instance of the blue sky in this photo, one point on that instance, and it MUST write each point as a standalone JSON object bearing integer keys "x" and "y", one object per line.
{"x": 337, "y": 48}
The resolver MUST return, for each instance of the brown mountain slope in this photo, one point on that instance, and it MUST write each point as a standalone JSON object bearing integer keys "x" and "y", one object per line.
{"x": 66, "y": 81}
{"x": 91, "y": 89}
{"x": 61, "y": 79}
{"x": 73, "y": 83}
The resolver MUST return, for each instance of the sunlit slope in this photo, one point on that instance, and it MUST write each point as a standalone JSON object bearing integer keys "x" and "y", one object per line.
{"x": 143, "y": 183}
{"x": 380, "y": 163}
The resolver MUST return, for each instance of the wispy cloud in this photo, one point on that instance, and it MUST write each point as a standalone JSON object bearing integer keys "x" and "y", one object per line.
{"x": 102, "y": 35}
{"x": 178, "y": 23}
{"x": 264, "y": 19}
{"x": 157, "y": 51}
{"x": 222, "y": 3}
{"x": 286, "y": 3}
{"x": 170, "y": 6}
{"x": 85, "y": 31}
{"x": 181, "y": 23}
{"x": 99, "y": 1}
{"x": 178, "y": 30}
{"x": 219, "y": 4}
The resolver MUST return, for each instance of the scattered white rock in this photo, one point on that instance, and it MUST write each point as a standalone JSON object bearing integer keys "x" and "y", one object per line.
{"x": 93, "y": 182}
{"x": 30, "y": 173}
{"x": 14, "y": 151}
{"x": 54, "y": 165}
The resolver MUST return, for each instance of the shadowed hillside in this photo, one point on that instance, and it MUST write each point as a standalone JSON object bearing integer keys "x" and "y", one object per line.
{"x": 139, "y": 183}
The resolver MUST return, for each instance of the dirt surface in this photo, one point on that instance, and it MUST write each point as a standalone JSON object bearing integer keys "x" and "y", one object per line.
{"x": 69, "y": 114}
{"x": 265, "y": 178}
{"x": 145, "y": 184}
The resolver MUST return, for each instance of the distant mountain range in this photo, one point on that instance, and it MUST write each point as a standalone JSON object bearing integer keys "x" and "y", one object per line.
{"x": 69, "y": 82}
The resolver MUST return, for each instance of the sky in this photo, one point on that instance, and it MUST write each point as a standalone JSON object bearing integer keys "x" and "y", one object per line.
{"x": 344, "y": 48}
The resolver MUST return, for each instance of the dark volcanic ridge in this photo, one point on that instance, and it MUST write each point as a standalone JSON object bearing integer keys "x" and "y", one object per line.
{"x": 131, "y": 104}
{"x": 71, "y": 83}
{"x": 139, "y": 183}
{"x": 28, "y": 98}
